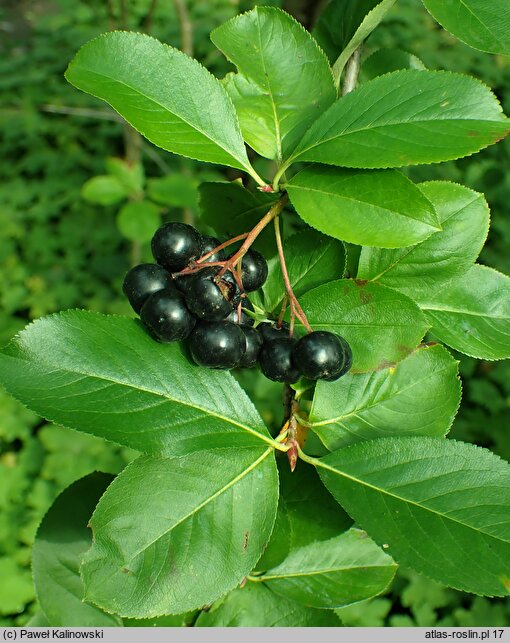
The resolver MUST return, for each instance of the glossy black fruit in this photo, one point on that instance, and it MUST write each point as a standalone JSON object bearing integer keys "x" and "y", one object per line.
{"x": 275, "y": 359}
{"x": 270, "y": 331}
{"x": 166, "y": 316}
{"x": 253, "y": 345}
{"x": 217, "y": 344}
{"x": 246, "y": 320}
{"x": 208, "y": 244}
{"x": 253, "y": 270}
{"x": 143, "y": 280}
{"x": 175, "y": 244}
{"x": 208, "y": 297}
{"x": 322, "y": 356}
{"x": 183, "y": 282}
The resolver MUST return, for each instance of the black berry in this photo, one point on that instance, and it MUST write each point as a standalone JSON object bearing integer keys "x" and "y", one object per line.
{"x": 270, "y": 331}
{"x": 209, "y": 297}
{"x": 322, "y": 356}
{"x": 253, "y": 270}
{"x": 208, "y": 244}
{"x": 175, "y": 244}
{"x": 275, "y": 359}
{"x": 253, "y": 345}
{"x": 183, "y": 282}
{"x": 217, "y": 344}
{"x": 143, "y": 280}
{"x": 246, "y": 320}
{"x": 166, "y": 316}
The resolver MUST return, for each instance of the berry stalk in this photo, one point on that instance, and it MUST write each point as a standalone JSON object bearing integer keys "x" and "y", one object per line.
{"x": 273, "y": 212}
{"x": 295, "y": 308}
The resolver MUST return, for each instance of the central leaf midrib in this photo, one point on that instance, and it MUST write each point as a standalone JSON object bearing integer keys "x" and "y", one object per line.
{"x": 382, "y": 491}
{"x": 204, "y": 503}
{"x": 166, "y": 109}
{"x": 161, "y": 394}
{"x": 319, "y": 572}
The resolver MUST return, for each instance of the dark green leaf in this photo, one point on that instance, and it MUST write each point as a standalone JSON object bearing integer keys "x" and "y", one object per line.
{"x": 256, "y": 606}
{"x": 345, "y": 24}
{"x": 407, "y": 117}
{"x": 106, "y": 376}
{"x": 284, "y": 80}
{"x": 61, "y": 540}
{"x": 381, "y": 325}
{"x": 383, "y": 61}
{"x": 438, "y": 506}
{"x": 307, "y": 513}
{"x": 375, "y": 208}
{"x": 167, "y": 96}
{"x": 173, "y": 534}
{"x": 480, "y": 24}
{"x": 333, "y": 573}
{"x": 472, "y": 313}
{"x": 420, "y": 270}
{"x": 139, "y": 220}
{"x": 419, "y": 396}
{"x": 230, "y": 209}
{"x": 312, "y": 259}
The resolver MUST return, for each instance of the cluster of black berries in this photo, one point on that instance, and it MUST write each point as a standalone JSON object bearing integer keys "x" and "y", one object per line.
{"x": 177, "y": 299}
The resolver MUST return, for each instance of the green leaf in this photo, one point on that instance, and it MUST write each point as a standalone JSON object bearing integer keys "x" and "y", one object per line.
{"x": 439, "y": 506}
{"x": 174, "y": 534}
{"x": 375, "y": 208}
{"x": 284, "y": 80}
{"x": 312, "y": 259}
{"x": 472, "y": 313}
{"x": 131, "y": 175}
{"x": 307, "y": 513}
{"x": 230, "y": 209}
{"x": 381, "y": 325}
{"x": 168, "y": 97}
{"x": 176, "y": 190}
{"x": 422, "y": 269}
{"x": 138, "y": 220}
{"x": 61, "y": 540}
{"x": 106, "y": 376}
{"x": 312, "y": 512}
{"x": 333, "y": 573}
{"x": 384, "y": 61}
{"x": 407, "y": 117}
{"x": 480, "y": 24}
{"x": 256, "y": 606}
{"x": 104, "y": 190}
{"x": 345, "y": 24}
{"x": 419, "y": 396}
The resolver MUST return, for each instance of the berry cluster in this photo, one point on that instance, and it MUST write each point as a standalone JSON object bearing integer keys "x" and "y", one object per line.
{"x": 194, "y": 292}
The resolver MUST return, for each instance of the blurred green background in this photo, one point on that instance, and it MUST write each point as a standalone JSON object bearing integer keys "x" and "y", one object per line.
{"x": 60, "y": 248}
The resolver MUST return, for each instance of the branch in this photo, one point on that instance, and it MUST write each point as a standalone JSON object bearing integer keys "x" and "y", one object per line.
{"x": 102, "y": 114}
{"x": 186, "y": 27}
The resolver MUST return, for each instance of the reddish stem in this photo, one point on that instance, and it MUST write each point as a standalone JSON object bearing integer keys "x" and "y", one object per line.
{"x": 222, "y": 245}
{"x": 295, "y": 308}
{"x": 273, "y": 212}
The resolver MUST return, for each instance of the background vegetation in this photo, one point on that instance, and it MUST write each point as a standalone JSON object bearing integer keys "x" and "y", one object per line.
{"x": 58, "y": 250}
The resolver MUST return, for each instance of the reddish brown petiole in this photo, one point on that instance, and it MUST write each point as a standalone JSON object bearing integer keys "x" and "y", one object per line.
{"x": 295, "y": 308}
